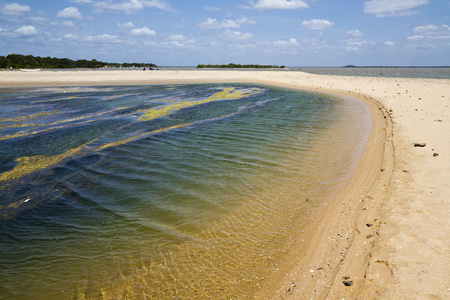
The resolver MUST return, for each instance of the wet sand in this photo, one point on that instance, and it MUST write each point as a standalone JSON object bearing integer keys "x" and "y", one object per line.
{"x": 386, "y": 236}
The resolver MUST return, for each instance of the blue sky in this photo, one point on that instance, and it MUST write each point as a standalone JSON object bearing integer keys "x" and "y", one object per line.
{"x": 187, "y": 33}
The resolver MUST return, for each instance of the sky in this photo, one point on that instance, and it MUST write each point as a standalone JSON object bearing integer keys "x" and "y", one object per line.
{"x": 292, "y": 33}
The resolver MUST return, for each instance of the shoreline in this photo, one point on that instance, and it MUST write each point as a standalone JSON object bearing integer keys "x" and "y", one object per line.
{"x": 387, "y": 232}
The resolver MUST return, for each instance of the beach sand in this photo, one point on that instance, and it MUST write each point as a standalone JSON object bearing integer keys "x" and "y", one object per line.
{"x": 387, "y": 235}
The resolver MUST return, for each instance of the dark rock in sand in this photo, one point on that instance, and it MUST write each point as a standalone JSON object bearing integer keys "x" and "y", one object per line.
{"x": 435, "y": 154}
{"x": 420, "y": 144}
{"x": 348, "y": 282}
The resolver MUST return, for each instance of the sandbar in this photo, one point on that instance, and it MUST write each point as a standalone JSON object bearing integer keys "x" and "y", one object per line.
{"x": 386, "y": 236}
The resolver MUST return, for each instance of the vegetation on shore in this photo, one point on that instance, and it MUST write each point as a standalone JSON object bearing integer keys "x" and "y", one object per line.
{"x": 18, "y": 61}
{"x": 231, "y": 65}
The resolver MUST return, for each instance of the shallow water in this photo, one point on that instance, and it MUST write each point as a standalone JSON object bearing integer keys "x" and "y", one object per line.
{"x": 164, "y": 191}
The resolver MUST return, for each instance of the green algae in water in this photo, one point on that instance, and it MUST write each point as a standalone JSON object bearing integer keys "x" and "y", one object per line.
{"x": 203, "y": 202}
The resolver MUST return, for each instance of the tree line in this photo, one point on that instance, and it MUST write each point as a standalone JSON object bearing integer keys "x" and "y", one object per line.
{"x": 231, "y": 65}
{"x": 18, "y": 61}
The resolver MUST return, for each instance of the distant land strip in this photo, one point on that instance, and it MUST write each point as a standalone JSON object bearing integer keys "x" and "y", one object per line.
{"x": 231, "y": 65}
{"x": 18, "y": 61}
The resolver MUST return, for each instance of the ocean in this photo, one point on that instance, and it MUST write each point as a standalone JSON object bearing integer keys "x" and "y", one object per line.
{"x": 396, "y": 72}
{"x": 390, "y": 72}
{"x": 165, "y": 191}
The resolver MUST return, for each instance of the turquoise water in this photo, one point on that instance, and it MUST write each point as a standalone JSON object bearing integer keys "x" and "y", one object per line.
{"x": 164, "y": 191}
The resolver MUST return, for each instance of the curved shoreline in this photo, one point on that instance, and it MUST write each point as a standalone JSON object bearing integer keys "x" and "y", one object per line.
{"x": 363, "y": 234}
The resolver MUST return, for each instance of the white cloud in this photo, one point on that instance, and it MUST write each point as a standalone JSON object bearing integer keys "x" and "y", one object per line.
{"x": 52, "y": 38}
{"x": 210, "y": 8}
{"x": 161, "y": 4}
{"x": 128, "y": 7}
{"x": 279, "y": 4}
{"x": 15, "y": 9}
{"x": 356, "y": 43}
{"x": 353, "y": 33}
{"x": 176, "y": 37}
{"x": 317, "y": 24}
{"x": 71, "y": 36}
{"x": 69, "y": 24}
{"x": 389, "y": 44}
{"x": 103, "y": 38}
{"x": 392, "y": 8}
{"x": 70, "y": 13}
{"x": 144, "y": 31}
{"x": 245, "y": 21}
{"x": 132, "y": 6}
{"x": 431, "y": 32}
{"x": 236, "y": 35}
{"x": 291, "y": 42}
{"x": 426, "y": 29}
{"x": 26, "y": 31}
{"x": 187, "y": 44}
{"x": 177, "y": 44}
{"x": 127, "y": 25}
{"x": 213, "y": 23}
{"x": 39, "y": 19}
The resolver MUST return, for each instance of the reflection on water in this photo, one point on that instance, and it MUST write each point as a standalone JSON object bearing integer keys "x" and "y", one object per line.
{"x": 181, "y": 191}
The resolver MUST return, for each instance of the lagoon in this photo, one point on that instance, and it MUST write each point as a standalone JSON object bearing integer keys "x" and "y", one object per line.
{"x": 165, "y": 191}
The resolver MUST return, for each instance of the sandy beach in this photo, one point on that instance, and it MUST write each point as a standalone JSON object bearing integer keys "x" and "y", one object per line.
{"x": 387, "y": 235}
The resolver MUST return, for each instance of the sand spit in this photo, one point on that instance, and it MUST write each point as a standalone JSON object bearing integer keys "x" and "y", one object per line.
{"x": 387, "y": 235}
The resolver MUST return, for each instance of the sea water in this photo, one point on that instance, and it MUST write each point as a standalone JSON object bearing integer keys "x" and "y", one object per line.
{"x": 164, "y": 191}
{"x": 393, "y": 72}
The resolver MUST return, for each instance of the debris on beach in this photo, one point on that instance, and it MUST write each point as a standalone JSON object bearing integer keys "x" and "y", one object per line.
{"x": 420, "y": 144}
{"x": 347, "y": 282}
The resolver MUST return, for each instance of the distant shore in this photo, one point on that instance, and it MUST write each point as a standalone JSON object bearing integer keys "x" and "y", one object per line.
{"x": 387, "y": 235}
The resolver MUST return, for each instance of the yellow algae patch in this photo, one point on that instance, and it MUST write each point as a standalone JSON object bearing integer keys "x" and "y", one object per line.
{"x": 35, "y": 131}
{"x": 32, "y": 116}
{"x": 161, "y": 111}
{"x": 227, "y": 93}
{"x": 124, "y": 141}
{"x": 58, "y": 99}
{"x": 14, "y": 204}
{"x": 30, "y": 164}
{"x": 17, "y": 125}
{"x": 121, "y": 142}
{"x": 87, "y": 116}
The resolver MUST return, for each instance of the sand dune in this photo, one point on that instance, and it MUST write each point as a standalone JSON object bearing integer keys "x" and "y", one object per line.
{"x": 387, "y": 236}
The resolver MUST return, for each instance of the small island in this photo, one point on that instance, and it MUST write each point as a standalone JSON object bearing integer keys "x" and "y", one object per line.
{"x": 18, "y": 61}
{"x": 238, "y": 66}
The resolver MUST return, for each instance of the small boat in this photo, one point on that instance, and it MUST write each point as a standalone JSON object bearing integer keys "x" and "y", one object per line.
{"x": 30, "y": 70}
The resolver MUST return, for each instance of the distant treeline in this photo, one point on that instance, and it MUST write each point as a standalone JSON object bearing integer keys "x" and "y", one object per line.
{"x": 18, "y": 61}
{"x": 231, "y": 65}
